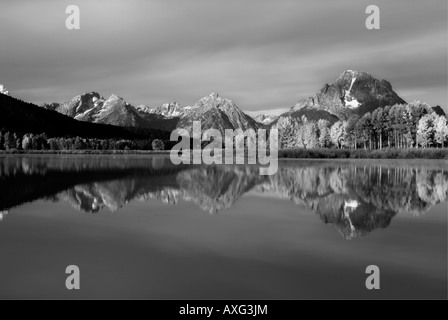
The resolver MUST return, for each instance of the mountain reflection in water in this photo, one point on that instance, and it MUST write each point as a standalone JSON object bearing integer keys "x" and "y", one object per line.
{"x": 356, "y": 197}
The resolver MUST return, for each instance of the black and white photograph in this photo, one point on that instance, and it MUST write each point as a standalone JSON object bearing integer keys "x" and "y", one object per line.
{"x": 223, "y": 156}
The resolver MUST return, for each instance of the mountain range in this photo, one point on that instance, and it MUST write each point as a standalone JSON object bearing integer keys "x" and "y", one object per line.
{"x": 22, "y": 117}
{"x": 213, "y": 111}
{"x": 353, "y": 92}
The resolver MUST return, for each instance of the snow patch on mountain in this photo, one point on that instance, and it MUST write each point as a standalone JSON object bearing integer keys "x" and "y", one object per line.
{"x": 3, "y": 90}
{"x": 84, "y": 114}
{"x": 265, "y": 118}
{"x": 168, "y": 110}
{"x": 351, "y": 85}
{"x": 352, "y": 103}
{"x": 348, "y": 99}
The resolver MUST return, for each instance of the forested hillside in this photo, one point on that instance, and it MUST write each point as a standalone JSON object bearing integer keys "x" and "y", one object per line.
{"x": 26, "y": 126}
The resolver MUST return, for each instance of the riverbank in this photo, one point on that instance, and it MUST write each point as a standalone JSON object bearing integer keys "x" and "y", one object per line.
{"x": 93, "y": 152}
{"x": 430, "y": 153}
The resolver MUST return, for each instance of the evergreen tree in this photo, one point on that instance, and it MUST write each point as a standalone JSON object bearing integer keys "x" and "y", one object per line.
{"x": 10, "y": 142}
{"x": 53, "y": 143}
{"x": 158, "y": 144}
{"x": 2, "y": 141}
{"x": 79, "y": 144}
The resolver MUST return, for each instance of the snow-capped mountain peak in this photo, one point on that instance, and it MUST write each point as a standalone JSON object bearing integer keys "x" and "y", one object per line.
{"x": 265, "y": 118}
{"x": 168, "y": 110}
{"x": 352, "y": 92}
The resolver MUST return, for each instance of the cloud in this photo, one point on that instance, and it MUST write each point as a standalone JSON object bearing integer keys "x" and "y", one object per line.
{"x": 262, "y": 54}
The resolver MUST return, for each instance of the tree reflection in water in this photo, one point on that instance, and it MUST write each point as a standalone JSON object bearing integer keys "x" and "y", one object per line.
{"x": 355, "y": 197}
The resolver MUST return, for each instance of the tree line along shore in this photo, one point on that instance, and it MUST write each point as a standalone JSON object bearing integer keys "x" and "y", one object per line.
{"x": 402, "y": 131}
{"x": 294, "y": 153}
{"x": 401, "y": 126}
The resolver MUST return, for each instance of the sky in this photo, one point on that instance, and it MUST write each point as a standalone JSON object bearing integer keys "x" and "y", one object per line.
{"x": 265, "y": 55}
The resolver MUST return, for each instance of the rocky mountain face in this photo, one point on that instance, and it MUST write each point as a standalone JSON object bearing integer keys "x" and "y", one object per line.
{"x": 213, "y": 111}
{"x": 353, "y": 93}
{"x": 164, "y": 117}
{"x": 115, "y": 111}
{"x": 77, "y": 106}
{"x": 92, "y": 107}
{"x": 218, "y": 113}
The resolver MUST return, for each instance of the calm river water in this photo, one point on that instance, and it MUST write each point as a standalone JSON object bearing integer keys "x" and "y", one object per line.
{"x": 140, "y": 227}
